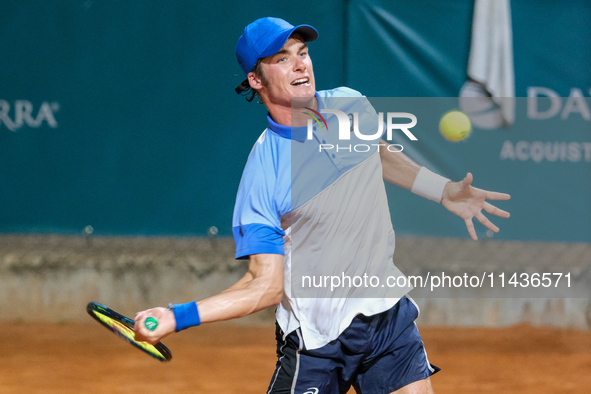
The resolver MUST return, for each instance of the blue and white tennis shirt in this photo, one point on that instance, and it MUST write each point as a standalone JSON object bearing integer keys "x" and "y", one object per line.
{"x": 326, "y": 211}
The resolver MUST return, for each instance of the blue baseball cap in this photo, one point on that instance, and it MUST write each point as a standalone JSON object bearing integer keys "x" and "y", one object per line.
{"x": 265, "y": 37}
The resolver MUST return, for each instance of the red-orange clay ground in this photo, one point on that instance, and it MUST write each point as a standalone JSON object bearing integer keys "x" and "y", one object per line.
{"x": 227, "y": 358}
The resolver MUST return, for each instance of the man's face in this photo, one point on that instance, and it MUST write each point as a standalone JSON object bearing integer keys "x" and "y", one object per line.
{"x": 287, "y": 74}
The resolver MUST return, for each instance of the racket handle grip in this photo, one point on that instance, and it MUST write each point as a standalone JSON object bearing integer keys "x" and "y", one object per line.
{"x": 150, "y": 323}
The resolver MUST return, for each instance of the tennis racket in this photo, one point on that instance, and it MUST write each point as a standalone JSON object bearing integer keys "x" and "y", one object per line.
{"x": 123, "y": 327}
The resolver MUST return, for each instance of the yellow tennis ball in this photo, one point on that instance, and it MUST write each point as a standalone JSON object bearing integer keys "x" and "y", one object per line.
{"x": 455, "y": 126}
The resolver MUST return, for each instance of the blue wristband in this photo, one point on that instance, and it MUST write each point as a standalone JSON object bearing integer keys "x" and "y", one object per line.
{"x": 186, "y": 315}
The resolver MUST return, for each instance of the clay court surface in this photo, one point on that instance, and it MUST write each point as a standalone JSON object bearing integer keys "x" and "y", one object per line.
{"x": 228, "y": 358}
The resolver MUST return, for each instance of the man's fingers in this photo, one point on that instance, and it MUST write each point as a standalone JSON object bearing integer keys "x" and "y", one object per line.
{"x": 497, "y": 196}
{"x": 471, "y": 231}
{"x": 468, "y": 178}
{"x": 138, "y": 333}
{"x": 139, "y": 320}
{"x": 486, "y": 222}
{"x": 467, "y": 181}
{"x": 140, "y": 330}
{"x": 496, "y": 211}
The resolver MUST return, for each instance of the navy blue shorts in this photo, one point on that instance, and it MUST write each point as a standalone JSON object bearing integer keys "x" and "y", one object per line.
{"x": 375, "y": 354}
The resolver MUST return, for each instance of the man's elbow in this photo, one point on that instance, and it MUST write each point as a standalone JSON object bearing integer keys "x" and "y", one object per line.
{"x": 274, "y": 294}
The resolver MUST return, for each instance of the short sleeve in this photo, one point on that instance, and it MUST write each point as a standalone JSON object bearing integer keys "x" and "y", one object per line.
{"x": 257, "y": 221}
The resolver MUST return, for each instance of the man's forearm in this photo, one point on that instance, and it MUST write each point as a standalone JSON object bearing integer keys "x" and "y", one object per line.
{"x": 401, "y": 170}
{"x": 260, "y": 288}
{"x": 237, "y": 303}
{"x": 398, "y": 168}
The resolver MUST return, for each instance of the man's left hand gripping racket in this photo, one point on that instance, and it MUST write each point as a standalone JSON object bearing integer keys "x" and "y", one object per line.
{"x": 123, "y": 327}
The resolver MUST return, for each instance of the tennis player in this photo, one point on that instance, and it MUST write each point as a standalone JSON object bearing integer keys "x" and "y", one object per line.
{"x": 303, "y": 209}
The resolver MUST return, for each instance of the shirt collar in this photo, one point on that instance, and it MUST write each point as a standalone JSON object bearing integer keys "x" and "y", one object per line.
{"x": 296, "y": 133}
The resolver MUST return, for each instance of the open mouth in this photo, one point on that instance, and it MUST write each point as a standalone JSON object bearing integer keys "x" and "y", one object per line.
{"x": 301, "y": 81}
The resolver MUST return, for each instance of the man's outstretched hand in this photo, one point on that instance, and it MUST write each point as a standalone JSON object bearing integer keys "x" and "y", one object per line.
{"x": 466, "y": 201}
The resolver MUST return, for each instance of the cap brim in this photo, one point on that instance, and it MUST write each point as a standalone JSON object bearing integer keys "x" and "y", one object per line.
{"x": 307, "y": 32}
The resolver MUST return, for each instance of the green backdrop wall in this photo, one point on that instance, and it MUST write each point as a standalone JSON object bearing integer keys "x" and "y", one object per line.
{"x": 122, "y": 115}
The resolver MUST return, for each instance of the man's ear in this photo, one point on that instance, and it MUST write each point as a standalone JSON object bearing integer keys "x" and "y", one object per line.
{"x": 254, "y": 81}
